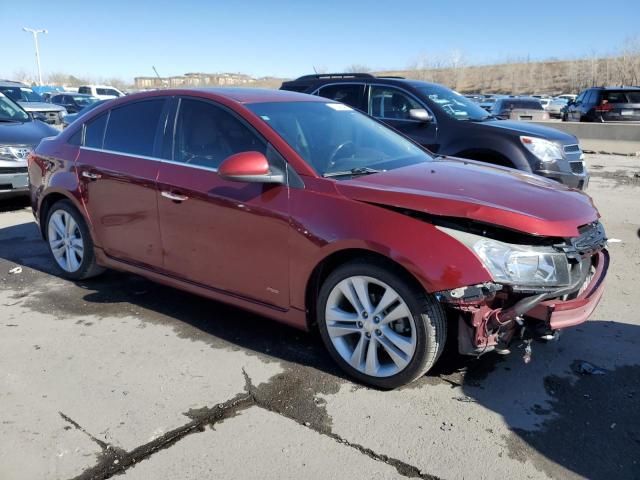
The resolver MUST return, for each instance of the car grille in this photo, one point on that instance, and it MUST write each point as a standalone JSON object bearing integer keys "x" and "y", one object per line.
{"x": 13, "y": 170}
{"x": 577, "y": 167}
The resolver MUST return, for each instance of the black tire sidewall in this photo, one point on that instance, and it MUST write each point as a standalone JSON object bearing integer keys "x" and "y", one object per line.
{"x": 88, "y": 257}
{"x": 410, "y": 296}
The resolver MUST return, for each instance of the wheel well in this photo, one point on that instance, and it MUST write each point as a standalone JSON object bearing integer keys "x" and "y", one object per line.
{"x": 45, "y": 205}
{"x": 487, "y": 156}
{"x": 333, "y": 261}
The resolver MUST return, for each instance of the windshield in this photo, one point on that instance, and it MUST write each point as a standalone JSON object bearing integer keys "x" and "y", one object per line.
{"x": 333, "y": 137}
{"x": 21, "y": 94}
{"x": 453, "y": 104}
{"x": 11, "y": 112}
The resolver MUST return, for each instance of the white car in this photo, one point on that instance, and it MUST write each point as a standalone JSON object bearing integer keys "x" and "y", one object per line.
{"x": 102, "y": 92}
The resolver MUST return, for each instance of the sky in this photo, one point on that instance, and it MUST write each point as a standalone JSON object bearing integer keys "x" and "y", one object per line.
{"x": 125, "y": 38}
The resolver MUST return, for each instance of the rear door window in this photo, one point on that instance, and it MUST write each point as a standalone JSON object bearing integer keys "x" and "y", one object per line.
{"x": 132, "y": 128}
{"x": 84, "y": 90}
{"x": 351, "y": 94}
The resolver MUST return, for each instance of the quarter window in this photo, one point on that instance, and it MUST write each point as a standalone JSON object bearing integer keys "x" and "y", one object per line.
{"x": 391, "y": 103}
{"x": 132, "y": 128}
{"x": 94, "y": 132}
{"x": 207, "y": 134}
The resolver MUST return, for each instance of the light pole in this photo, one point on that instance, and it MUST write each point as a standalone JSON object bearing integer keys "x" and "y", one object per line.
{"x": 35, "y": 33}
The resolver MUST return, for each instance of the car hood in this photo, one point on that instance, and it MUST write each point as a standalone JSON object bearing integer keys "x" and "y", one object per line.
{"x": 27, "y": 133}
{"x": 472, "y": 190}
{"x": 40, "y": 107}
{"x": 532, "y": 129}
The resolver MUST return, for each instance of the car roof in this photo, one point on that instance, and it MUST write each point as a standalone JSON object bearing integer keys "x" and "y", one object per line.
{"x": 615, "y": 88}
{"x": 75, "y": 94}
{"x": 11, "y": 83}
{"x": 237, "y": 94}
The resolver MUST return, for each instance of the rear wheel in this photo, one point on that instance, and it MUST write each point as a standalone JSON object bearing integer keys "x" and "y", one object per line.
{"x": 379, "y": 327}
{"x": 70, "y": 242}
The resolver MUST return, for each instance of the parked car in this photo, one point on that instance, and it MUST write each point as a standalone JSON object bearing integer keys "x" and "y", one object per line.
{"x": 32, "y": 102}
{"x": 19, "y": 134}
{"x": 605, "y": 104}
{"x": 101, "y": 92}
{"x": 449, "y": 124}
{"x": 568, "y": 96}
{"x": 69, "y": 119}
{"x": 545, "y": 102}
{"x": 519, "y": 108}
{"x": 556, "y": 107}
{"x": 304, "y": 210}
{"x": 73, "y": 102}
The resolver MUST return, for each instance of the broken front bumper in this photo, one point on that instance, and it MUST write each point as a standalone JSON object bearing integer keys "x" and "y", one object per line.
{"x": 568, "y": 313}
{"x": 489, "y": 317}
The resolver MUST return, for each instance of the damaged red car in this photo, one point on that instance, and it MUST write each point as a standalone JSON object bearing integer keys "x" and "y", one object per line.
{"x": 308, "y": 212}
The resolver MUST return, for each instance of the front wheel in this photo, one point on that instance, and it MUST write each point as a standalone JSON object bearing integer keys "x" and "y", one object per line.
{"x": 379, "y": 327}
{"x": 70, "y": 242}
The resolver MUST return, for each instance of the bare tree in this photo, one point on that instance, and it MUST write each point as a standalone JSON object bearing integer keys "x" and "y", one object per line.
{"x": 357, "y": 68}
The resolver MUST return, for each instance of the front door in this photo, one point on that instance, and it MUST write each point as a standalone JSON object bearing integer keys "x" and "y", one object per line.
{"x": 392, "y": 105}
{"x": 118, "y": 181}
{"x": 229, "y": 236}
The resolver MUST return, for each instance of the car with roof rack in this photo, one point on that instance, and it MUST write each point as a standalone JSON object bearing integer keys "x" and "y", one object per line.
{"x": 605, "y": 104}
{"x": 449, "y": 124}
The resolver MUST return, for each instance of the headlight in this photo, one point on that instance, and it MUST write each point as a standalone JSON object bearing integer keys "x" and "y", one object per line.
{"x": 544, "y": 150}
{"x": 14, "y": 152}
{"x": 518, "y": 265}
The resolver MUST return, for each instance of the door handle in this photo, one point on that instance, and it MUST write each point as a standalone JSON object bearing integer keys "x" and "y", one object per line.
{"x": 174, "y": 196}
{"x": 91, "y": 175}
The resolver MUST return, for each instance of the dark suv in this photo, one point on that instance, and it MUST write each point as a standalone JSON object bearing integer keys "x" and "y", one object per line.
{"x": 605, "y": 104}
{"x": 449, "y": 124}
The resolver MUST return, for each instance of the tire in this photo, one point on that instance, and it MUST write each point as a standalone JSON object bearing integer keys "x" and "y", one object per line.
{"x": 67, "y": 235}
{"x": 421, "y": 323}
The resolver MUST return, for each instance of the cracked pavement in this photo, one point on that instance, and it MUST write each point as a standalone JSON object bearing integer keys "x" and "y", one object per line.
{"x": 118, "y": 376}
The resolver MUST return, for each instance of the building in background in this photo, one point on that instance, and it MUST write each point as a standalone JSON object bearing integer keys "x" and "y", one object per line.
{"x": 194, "y": 80}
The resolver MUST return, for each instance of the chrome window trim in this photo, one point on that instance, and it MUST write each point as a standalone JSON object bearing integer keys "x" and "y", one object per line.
{"x": 153, "y": 159}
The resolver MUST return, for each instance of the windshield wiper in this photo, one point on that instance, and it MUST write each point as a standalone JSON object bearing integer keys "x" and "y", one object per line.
{"x": 353, "y": 171}
{"x": 488, "y": 117}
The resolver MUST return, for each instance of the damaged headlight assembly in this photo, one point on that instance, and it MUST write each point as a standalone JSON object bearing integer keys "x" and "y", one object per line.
{"x": 521, "y": 266}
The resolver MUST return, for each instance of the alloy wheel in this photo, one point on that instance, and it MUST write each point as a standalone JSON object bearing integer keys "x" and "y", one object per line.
{"x": 65, "y": 240}
{"x": 370, "y": 326}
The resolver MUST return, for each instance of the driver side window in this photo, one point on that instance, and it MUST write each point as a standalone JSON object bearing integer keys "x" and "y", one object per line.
{"x": 391, "y": 103}
{"x": 207, "y": 134}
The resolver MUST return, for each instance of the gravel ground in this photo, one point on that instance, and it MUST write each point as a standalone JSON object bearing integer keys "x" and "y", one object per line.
{"x": 122, "y": 376}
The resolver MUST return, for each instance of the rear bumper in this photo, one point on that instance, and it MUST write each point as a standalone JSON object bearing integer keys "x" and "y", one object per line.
{"x": 563, "y": 314}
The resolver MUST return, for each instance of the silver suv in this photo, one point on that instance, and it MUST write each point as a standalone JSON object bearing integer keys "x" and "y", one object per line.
{"x": 32, "y": 102}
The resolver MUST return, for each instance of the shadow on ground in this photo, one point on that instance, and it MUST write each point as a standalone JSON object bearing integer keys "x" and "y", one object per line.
{"x": 587, "y": 424}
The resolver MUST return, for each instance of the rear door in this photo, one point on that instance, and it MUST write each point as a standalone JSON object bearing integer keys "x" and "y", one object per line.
{"x": 391, "y": 105}
{"x": 229, "y": 236}
{"x": 117, "y": 167}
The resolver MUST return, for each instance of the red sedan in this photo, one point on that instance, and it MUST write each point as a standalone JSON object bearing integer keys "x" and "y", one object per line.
{"x": 306, "y": 211}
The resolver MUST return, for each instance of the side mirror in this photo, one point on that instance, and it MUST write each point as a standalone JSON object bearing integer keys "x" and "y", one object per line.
{"x": 251, "y": 167}
{"x": 420, "y": 114}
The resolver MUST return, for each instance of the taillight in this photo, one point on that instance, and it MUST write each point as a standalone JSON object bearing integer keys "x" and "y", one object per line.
{"x": 604, "y": 107}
